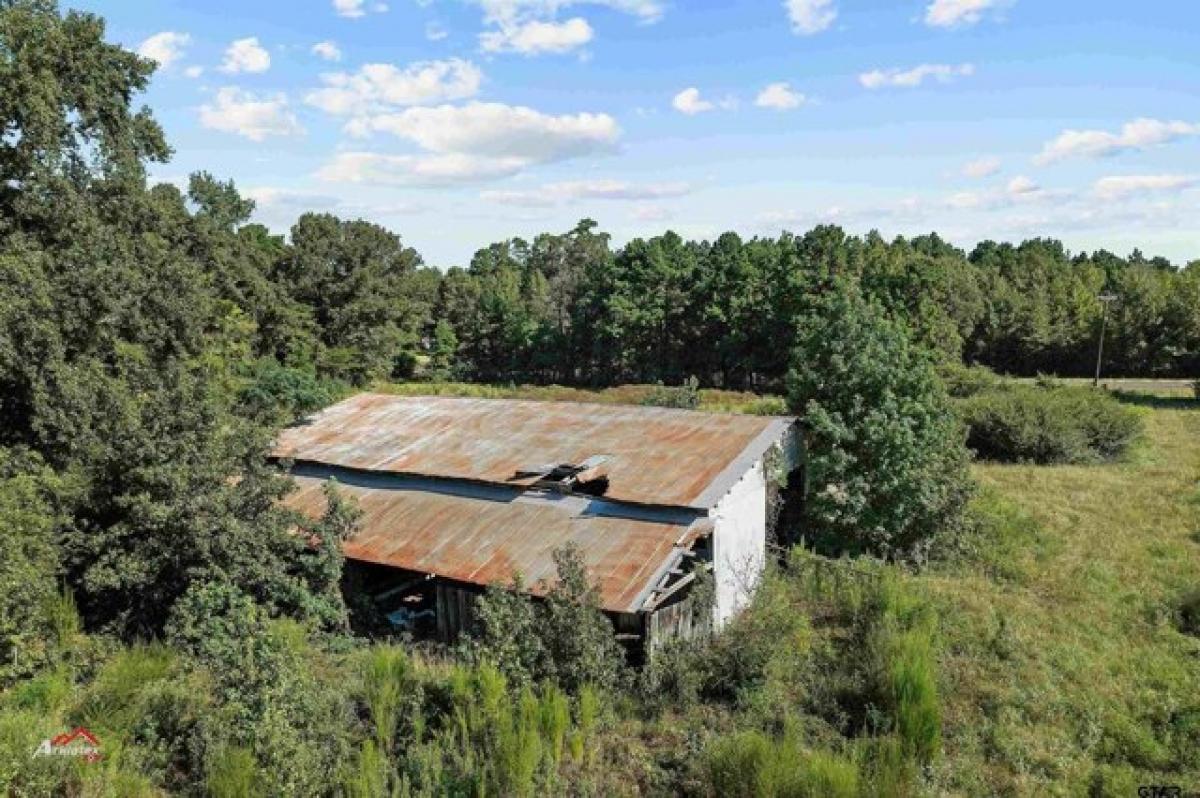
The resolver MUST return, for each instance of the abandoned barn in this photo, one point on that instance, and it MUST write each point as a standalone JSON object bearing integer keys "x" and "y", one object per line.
{"x": 458, "y": 494}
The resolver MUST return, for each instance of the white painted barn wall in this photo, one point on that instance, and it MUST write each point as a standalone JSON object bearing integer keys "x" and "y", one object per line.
{"x": 739, "y": 543}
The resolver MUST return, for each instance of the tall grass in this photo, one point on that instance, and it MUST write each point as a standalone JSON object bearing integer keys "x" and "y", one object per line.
{"x": 114, "y": 699}
{"x": 749, "y": 764}
{"x": 385, "y": 681}
{"x": 555, "y": 712}
{"x": 233, "y": 773}
{"x": 902, "y": 647}
{"x": 63, "y": 615}
{"x": 368, "y": 777}
{"x": 912, "y": 684}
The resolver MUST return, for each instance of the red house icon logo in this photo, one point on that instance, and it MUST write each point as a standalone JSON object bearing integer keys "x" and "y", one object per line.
{"x": 77, "y": 742}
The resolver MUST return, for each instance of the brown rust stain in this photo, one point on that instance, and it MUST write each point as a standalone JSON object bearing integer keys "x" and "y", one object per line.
{"x": 660, "y": 456}
{"x": 489, "y": 542}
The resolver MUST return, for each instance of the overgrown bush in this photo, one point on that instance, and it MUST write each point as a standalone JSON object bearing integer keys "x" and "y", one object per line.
{"x": 685, "y": 396}
{"x": 765, "y": 648}
{"x": 29, "y": 563}
{"x": 962, "y": 381}
{"x": 564, "y": 638}
{"x": 1050, "y": 424}
{"x": 269, "y": 698}
{"x": 886, "y": 464}
{"x": 278, "y": 393}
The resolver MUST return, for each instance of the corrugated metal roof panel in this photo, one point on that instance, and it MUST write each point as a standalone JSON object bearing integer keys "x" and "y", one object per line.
{"x": 659, "y": 455}
{"x": 484, "y": 541}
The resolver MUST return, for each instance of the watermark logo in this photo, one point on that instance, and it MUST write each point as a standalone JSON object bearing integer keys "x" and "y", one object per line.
{"x": 77, "y": 742}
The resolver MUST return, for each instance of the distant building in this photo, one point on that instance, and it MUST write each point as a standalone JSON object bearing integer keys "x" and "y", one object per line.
{"x": 458, "y": 494}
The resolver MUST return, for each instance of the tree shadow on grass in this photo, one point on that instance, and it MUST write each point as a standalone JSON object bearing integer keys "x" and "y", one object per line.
{"x": 1157, "y": 401}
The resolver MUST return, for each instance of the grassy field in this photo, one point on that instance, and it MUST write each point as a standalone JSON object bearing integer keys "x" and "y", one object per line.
{"x": 1063, "y": 669}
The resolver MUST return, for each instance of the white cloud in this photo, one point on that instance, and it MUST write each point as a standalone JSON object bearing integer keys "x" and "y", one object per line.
{"x": 534, "y": 37}
{"x": 1139, "y": 134}
{"x": 246, "y": 114}
{"x": 779, "y": 96}
{"x": 354, "y": 9}
{"x": 375, "y": 87}
{"x": 1020, "y": 191}
{"x": 194, "y": 71}
{"x": 570, "y": 191}
{"x": 473, "y": 142}
{"x": 1119, "y": 187}
{"x": 514, "y": 11}
{"x": 912, "y": 78}
{"x": 496, "y": 130}
{"x": 689, "y": 102}
{"x": 327, "y": 50}
{"x": 246, "y": 55}
{"x": 810, "y": 16}
{"x": 982, "y": 167}
{"x": 959, "y": 13}
{"x": 1022, "y": 186}
{"x": 531, "y": 27}
{"x": 165, "y": 47}
{"x": 416, "y": 170}
{"x": 435, "y": 31}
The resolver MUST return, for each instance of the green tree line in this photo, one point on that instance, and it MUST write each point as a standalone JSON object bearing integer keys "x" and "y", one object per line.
{"x": 571, "y": 308}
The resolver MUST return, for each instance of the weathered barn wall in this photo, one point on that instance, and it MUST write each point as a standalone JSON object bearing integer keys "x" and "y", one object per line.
{"x": 739, "y": 543}
{"x": 741, "y": 530}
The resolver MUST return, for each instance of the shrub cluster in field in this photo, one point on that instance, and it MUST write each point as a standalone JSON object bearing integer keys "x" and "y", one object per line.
{"x": 685, "y": 396}
{"x": 1045, "y": 422}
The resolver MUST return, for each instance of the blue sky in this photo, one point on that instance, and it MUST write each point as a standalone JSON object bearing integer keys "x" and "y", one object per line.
{"x": 461, "y": 122}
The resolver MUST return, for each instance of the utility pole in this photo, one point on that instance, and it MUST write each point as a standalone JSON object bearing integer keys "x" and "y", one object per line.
{"x": 1106, "y": 300}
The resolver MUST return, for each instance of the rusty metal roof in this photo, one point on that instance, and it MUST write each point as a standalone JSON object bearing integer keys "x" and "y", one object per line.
{"x": 659, "y": 456}
{"x": 476, "y": 536}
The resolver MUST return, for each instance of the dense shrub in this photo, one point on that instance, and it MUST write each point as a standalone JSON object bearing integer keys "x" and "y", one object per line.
{"x": 29, "y": 563}
{"x": 962, "y": 381}
{"x": 1051, "y": 424}
{"x": 270, "y": 699}
{"x": 887, "y": 469}
{"x": 278, "y": 393}
{"x": 685, "y": 396}
{"x": 564, "y": 639}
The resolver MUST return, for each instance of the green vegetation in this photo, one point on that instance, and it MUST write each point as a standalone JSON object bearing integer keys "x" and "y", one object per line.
{"x": 886, "y": 464}
{"x": 564, "y": 640}
{"x": 710, "y": 400}
{"x": 685, "y": 396}
{"x": 1035, "y": 635}
{"x": 1048, "y": 423}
